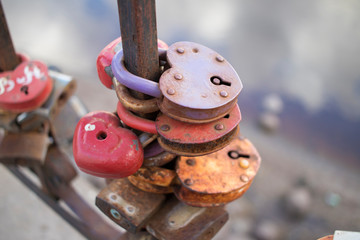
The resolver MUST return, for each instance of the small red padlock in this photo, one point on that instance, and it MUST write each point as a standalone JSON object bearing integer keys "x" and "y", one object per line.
{"x": 103, "y": 148}
{"x": 26, "y": 88}
{"x": 105, "y": 57}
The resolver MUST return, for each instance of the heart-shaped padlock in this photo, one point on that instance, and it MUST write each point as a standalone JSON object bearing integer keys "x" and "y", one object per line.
{"x": 105, "y": 57}
{"x": 26, "y": 88}
{"x": 217, "y": 178}
{"x": 188, "y": 139}
{"x": 200, "y": 85}
{"x": 103, "y": 148}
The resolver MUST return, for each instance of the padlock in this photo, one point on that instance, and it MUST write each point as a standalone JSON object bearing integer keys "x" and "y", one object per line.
{"x": 200, "y": 85}
{"x": 153, "y": 179}
{"x": 26, "y": 88}
{"x": 177, "y": 221}
{"x": 127, "y": 205}
{"x": 103, "y": 62}
{"x": 218, "y": 178}
{"x": 103, "y": 148}
{"x": 24, "y": 148}
{"x": 188, "y": 139}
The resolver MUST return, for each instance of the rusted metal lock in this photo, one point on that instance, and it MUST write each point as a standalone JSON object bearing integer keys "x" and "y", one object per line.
{"x": 127, "y": 205}
{"x": 25, "y": 148}
{"x": 218, "y": 178}
{"x": 188, "y": 139}
{"x": 153, "y": 179}
{"x": 26, "y": 88}
{"x": 200, "y": 85}
{"x": 177, "y": 221}
{"x": 103, "y": 148}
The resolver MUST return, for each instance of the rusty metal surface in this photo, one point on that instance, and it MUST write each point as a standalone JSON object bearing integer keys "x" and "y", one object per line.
{"x": 220, "y": 177}
{"x": 127, "y": 205}
{"x": 177, "y": 221}
{"x": 28, "y": 148}
{"x": 133, "y": 104}
{"x": 200, "y": 148}
{"x": 159, "y": 159}
{"x": 200, "y": 85}
{"x": 8, "y": 59}
{"x": 153, "y": 179}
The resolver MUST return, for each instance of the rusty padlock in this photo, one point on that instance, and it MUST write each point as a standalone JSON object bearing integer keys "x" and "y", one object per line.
{"x": 26, "y": 88}
{"x": 103, "y": 62}
{"x": 188, "y": 139}
{"x": 218, "y": 178}
{"x": 177, "y": 221}
{"x": 103, "y": 148}
{"x": 153, "y": 179}
{"x": 127, "y": 205}
{"x": 200, "y": 85}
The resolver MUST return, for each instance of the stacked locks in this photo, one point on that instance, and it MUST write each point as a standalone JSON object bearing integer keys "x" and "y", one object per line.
{"x": 192, "y": 149}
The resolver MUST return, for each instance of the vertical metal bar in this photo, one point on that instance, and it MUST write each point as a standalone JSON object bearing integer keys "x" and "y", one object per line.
{"x": 139, "y": 37}
{"x": 8, "y": 58}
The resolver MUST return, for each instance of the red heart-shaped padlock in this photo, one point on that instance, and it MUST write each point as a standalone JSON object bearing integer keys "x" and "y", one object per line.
{"x": 26, "y": 88}
{"x": 103, "y": 148}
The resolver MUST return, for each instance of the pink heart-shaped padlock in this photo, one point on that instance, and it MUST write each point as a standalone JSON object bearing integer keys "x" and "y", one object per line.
{"x": 103, "y": 148}
{"x": 26, "y": 88}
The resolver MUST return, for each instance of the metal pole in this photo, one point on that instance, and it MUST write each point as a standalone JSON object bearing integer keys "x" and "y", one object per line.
{"x": 8, "y": 58}
{"x": 139, "y": 38}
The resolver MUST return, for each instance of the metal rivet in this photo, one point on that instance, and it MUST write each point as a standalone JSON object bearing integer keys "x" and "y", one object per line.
{"x": 165, "y": 127}
{"x": 219, "y": 126}
{"x": 224, "y": 93}
{"x": 115, "y": 213}
{"x": 244, "y": 163}
{"x": 113, "y": 197}
{"x": 170, "y": 91}
{"x": 188, "y": 181}
{"x": 244, "y": 178}
{"x": 180, "y": 50}
{"x": 178, "y": 76}
{"x": 219, "y": 58}
{"x": 131, "y": 209}
{"x": 190, "y": 162}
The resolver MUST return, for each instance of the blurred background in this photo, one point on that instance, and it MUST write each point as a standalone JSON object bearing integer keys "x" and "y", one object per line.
{"x": 299, "y": 62}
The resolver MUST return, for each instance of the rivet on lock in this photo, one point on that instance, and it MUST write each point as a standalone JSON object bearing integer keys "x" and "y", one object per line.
{"x": 127, "y": 205}
{"x": 103, "y": 148}
{"x": 153, "y": 179}
{"x": 189, "y": 139}
{"x": 177, "y": 221}
{"x": 26, "y": 88}
{"x": 200, "y": 85}
{"x": 218, "y": 178}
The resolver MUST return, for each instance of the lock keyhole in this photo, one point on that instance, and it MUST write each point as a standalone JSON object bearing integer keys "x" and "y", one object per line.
{"x": 236, "y": 155}
{"x": 216, "y": 80}
{"x": 101, "y": 136}
{"x": 25, "y": 89}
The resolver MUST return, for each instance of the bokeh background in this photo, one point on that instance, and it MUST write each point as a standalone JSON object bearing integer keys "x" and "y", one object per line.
{"x": 299, "y": 62}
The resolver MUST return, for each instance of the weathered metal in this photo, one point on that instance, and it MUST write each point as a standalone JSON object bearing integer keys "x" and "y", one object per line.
{"x": 159, "y": 160}
{"x": 103, "y": 148}
{"x": 134, "y": 121}
{"x": 197, "y": 87}
{"x": 8, "y": 60}
{"x": 133, "y": 104}
{"x": 177, "y": 221}
{"x": 190, "y": 139}
{"x": 25, "y": 88}
{"x": 25, "y": 148}
{"x": 153, "y": 179}
{"x": 218, "y": 178}
{"x": 127, "y": 205}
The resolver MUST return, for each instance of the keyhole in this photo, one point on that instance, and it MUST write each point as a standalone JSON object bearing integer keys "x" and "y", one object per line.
{"x": 236, "y": 155}
{"x": 25, "y": 89}
{"x": 101, "y": 135}
{"x": 219, "y": 81}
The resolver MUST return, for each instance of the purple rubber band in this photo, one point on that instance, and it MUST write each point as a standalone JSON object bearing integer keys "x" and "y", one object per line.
{"x": 132, "y": 81}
